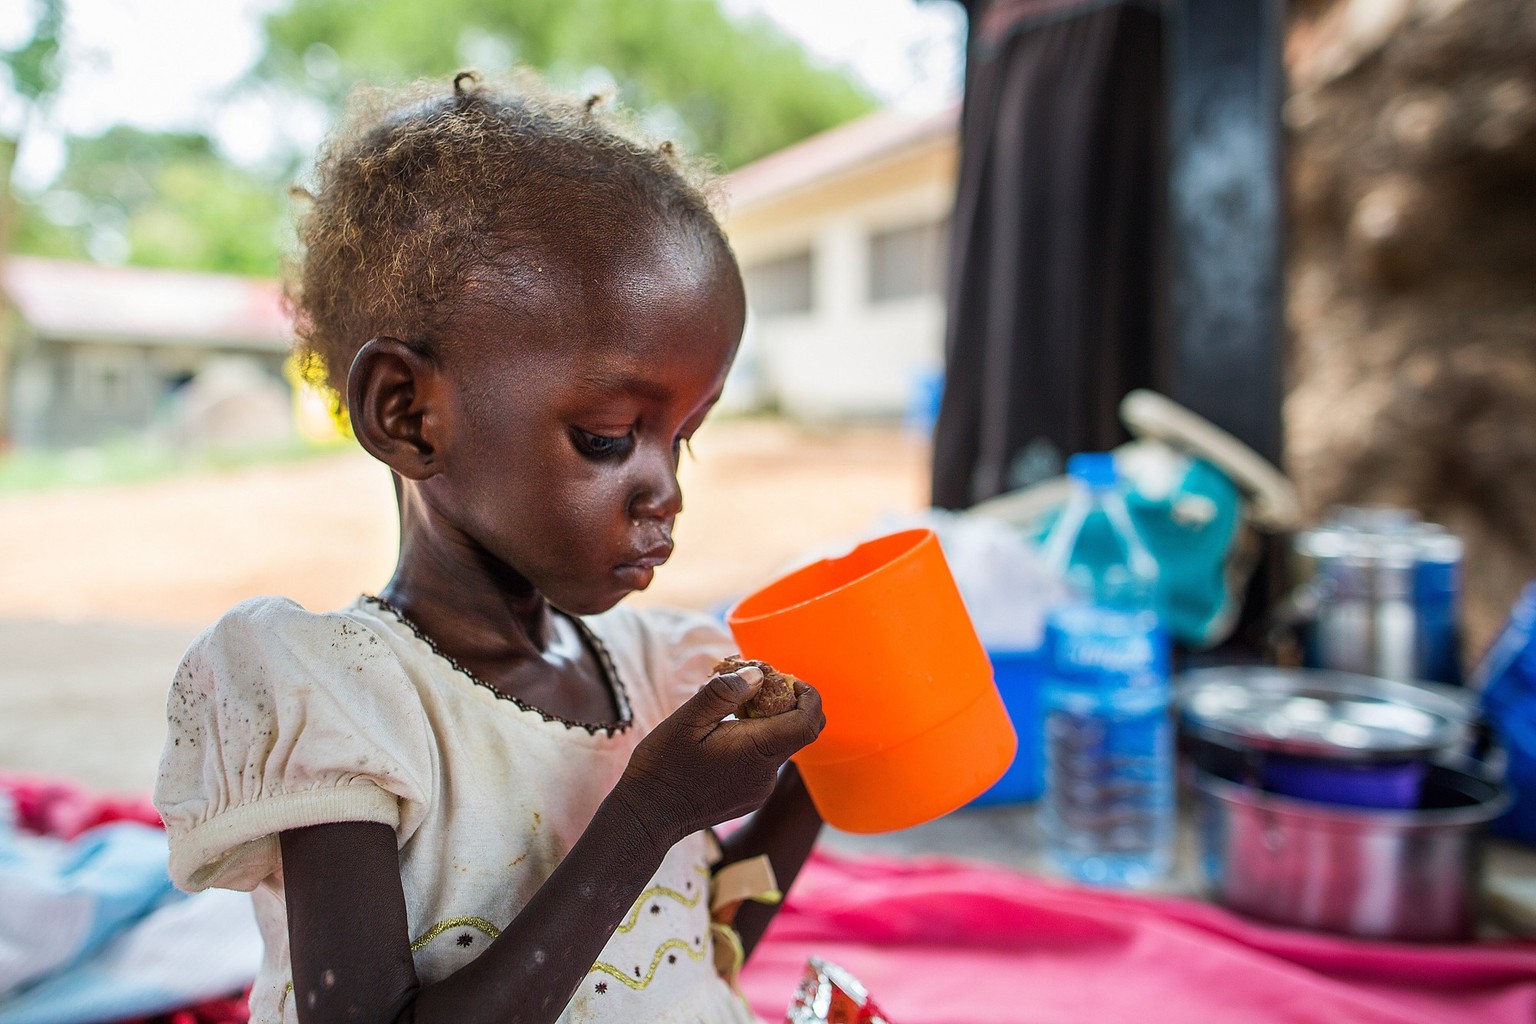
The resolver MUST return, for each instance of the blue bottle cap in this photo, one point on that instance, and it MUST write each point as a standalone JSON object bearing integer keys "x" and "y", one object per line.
{"x": 1096, "y": 469}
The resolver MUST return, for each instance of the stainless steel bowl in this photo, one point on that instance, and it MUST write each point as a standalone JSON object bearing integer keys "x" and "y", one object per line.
{"x": 1409, "y": 875}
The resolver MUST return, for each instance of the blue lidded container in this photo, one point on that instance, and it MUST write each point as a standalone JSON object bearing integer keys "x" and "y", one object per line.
{"x": 1019, "y": 676}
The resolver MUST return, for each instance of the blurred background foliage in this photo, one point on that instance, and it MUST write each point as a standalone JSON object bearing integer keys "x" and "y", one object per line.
{"x": 735, "y": 88}
{"x": 165, "y": 199}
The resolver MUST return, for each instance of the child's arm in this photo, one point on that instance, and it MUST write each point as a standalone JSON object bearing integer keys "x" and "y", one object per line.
{"x": 785, "y": 829}
{"x": 350, "y": 943}
{"x": 349, "y": 936}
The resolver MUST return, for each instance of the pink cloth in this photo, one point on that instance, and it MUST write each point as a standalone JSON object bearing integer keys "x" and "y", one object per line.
{"x": 947, "y": 942}
{"x": 55, "y": 807}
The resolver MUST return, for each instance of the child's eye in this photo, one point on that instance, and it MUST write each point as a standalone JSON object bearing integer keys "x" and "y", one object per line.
{"x": 602, "y": 446}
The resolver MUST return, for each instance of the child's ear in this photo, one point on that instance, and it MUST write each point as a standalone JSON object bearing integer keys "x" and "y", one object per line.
{"x": 390, "y": 394}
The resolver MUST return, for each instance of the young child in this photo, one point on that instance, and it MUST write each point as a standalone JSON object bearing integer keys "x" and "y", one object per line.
{"x": 482, "y": 795}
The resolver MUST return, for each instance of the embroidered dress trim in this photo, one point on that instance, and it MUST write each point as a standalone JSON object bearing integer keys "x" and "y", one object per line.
{"x": 692, "y": 950}
{"x": 630, "y": 921}
{"x": 593, "y": 643}
{"x": 480, "y": 924}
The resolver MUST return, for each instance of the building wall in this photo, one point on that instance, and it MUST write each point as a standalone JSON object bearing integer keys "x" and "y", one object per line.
{"x": 73, "y": 393}
{"x": 851, "y": 352}
{"x": 67, "y": 394}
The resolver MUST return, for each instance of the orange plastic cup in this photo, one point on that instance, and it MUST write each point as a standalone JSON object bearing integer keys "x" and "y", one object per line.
{"x": 915, "y": 725}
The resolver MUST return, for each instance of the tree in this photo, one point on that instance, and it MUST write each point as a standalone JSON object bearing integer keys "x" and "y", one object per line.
{"x": 34, "y": 73}
{"x": 733, "y": 89}
{"x": 737, "y": 90}
{"x": 33, "y": 68}
{"x": 158, "y": 200}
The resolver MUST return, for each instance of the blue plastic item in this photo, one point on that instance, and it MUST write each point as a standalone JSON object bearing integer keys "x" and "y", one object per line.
{"x": 1018, "y": 677}
{"x": 923, "y": 400}
{"x": 1507, "y": 679}
{"x": 1108, "y": 811}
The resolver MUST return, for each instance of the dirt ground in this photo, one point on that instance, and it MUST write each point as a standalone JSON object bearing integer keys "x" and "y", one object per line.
{"x": 179, "y": 552}
{"x": 102, "y": 588}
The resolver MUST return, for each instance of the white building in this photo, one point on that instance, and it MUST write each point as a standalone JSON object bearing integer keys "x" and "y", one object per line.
{"x": 841, "y": 240}
{"x": 93, "y": 351}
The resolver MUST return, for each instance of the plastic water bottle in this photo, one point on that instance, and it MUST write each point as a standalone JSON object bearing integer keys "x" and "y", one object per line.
{"x": 1108, "y": 811}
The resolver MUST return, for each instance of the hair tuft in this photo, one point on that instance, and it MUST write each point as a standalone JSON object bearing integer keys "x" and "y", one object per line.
{"x": 416, "y": 195}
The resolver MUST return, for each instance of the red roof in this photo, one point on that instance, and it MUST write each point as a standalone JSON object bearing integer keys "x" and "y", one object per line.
{"x": 90, "y": 302}
{"x": 871, "y": 139}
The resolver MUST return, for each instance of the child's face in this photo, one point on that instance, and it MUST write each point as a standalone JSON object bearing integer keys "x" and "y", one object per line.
{"x": 564, "y": 466}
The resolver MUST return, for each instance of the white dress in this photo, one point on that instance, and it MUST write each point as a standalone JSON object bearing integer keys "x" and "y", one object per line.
{"x": 281, "y": 718}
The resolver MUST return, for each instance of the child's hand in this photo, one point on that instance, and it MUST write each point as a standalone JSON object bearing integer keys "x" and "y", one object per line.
{"x": 697, "y": 770}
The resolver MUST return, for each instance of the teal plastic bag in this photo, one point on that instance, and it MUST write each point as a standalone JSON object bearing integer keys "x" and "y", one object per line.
{"x": 1190, "y": 516}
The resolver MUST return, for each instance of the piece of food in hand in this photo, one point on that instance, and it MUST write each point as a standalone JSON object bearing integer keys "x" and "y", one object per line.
{"x": 774, "y": 697}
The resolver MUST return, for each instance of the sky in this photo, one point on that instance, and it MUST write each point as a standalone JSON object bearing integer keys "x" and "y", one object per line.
{"x": 165, "y": 64}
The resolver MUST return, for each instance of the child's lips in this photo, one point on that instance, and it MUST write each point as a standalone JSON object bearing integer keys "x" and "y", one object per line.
{"x": 650, "y": 558}
{"x": 640, "y": 568}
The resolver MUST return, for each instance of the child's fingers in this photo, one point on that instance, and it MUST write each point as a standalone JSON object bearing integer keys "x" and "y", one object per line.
{"x": 808, "y": 698}
{"x": 722, "y": 695}
{"x": 793, "y": 729}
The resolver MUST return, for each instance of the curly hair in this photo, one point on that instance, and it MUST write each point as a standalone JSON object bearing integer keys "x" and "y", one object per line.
{"x": 418, "y": 191}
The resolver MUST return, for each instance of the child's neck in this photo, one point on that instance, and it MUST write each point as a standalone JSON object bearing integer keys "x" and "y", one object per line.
{"x": 495, "y": 625}
{"x": 461, "y": 599}
{"x": 507, "y": 644}
{"x": 464, "y": 607}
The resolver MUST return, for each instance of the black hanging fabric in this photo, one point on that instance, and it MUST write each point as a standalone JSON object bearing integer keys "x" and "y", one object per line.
{"x": 1055, "y": 293}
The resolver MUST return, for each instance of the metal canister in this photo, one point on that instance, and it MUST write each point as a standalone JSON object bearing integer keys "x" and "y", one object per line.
{"x": 1383, "y": 595}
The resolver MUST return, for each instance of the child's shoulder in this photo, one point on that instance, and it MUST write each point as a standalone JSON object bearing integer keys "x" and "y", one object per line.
{"x": 283, "y": 619}
{"x": 261, "y": 634}
{"x": 280, "y": 717}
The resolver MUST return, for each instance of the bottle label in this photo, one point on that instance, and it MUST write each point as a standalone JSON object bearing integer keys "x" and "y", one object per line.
{"x": 1121, "y": 656}
{"x": 1098, "y": 649}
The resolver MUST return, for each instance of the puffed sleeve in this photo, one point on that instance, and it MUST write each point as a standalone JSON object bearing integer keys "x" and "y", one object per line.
{"x": 279, "y": 718}
{"x": 687, "y": 644}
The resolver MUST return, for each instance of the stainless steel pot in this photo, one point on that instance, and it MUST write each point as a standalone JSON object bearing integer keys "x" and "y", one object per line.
{"x": 1409, "y": 875}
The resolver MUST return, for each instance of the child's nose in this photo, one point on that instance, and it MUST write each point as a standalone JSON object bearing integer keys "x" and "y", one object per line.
{"x": 657, "y": 494}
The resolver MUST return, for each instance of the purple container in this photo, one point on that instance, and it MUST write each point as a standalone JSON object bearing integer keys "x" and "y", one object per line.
{"x": 1392, "y": 785}
{"x": 1328, "y": 737}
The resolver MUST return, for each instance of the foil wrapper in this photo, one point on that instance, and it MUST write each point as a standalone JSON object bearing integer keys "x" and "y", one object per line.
{"x": 830, "y": 995}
